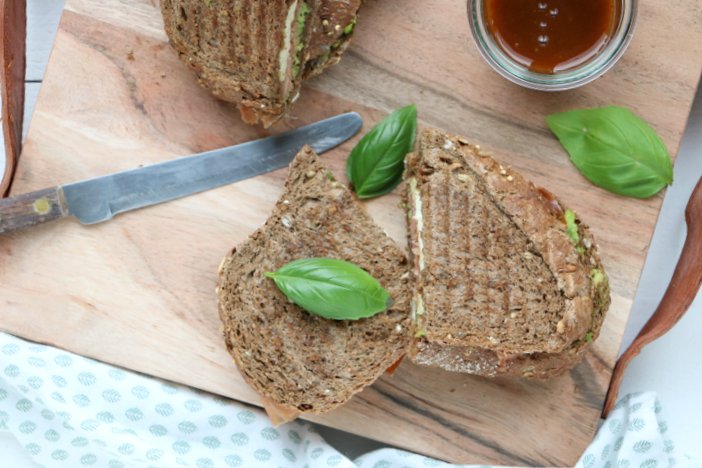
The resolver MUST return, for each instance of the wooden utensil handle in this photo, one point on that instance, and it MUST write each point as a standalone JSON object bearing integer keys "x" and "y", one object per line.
{"x": 13, "y": 31}
{"x": 681, "y": 292}
{"x": 32, "y": 208}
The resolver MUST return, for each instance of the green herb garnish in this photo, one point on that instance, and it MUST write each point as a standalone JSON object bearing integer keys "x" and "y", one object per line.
{"x": 588, "y": 337}
{"x": 375, "y": 165}
{"x": 614, "y": 149}
{"x": 331, "y": 288}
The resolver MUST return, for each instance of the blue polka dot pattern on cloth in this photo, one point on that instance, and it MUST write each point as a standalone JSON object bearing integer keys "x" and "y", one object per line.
{"x": 70, "y": 411}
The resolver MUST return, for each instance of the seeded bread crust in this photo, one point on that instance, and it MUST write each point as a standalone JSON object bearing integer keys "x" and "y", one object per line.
{"x": 331, "y": 33}
{"x": 295, "y": 359}
{"x": 234, "y": 47}
{"x": 536, "y": 214}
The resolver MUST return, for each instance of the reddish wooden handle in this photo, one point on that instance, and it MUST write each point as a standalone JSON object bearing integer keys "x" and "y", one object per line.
{"x": 13, "y": 32}
{"x": 681, "y": 292}
{"x": 32, "y": 208}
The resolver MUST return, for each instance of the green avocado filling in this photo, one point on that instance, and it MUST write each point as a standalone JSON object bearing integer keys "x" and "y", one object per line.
{"x": 572, "y": 227}
{"x": 349, "y": 27}
{"x": 302, "y": 15}
{"x": 597, "y": 276}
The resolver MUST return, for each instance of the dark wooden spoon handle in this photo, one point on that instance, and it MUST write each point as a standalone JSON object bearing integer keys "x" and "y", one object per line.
{"x": 13, "y": 31}
{"x": 681, "y": 292}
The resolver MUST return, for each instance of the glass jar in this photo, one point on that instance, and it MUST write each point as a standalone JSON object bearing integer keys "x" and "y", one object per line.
{"x": 619, "y": 39}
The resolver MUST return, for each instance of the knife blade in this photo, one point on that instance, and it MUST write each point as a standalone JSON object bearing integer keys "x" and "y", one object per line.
{"x": 96, "y": 200}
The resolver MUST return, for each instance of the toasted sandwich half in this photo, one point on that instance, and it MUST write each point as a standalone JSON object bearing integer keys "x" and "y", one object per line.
{"x": 298, "y": 362}
{"x": 255, "y": 54}
{"x": 506, "y": 280}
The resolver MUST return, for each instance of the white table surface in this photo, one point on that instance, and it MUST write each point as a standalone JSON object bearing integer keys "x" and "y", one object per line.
{"x": 670, "y": 366}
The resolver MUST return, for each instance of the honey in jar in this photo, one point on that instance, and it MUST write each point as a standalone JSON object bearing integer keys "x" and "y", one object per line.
{"x": 551, "y": 36}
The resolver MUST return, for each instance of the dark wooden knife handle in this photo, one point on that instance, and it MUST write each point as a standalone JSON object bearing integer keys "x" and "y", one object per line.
{"x": 681, "y": 292}
{"x": 32, "y": 208}
{"x": 13, "y": 31}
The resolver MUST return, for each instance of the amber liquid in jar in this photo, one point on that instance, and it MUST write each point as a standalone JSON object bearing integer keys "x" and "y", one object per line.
{"x": 551, "y": 36}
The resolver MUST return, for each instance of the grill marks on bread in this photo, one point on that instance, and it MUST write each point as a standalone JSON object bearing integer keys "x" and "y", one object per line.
{"x": 503, "y": 288}
{"x": 482, "y": 282}
{"x": 234, "y": 47}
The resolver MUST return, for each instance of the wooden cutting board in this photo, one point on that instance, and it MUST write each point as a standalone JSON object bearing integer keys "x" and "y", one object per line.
{"x": 139, "y": 291}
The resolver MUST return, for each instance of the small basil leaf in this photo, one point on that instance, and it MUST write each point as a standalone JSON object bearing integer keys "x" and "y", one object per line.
{"x": 375, "y": 165}
{"x": 614, "y": 149}
{"x": 330, "y": 288}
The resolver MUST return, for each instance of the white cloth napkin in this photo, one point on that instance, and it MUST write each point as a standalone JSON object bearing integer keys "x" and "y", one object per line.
{"x": 67, "y": 410}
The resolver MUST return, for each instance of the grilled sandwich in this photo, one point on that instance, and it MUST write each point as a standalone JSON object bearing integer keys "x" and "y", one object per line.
{"x": 506, "y": 279}
{"x": 255, "y": 54}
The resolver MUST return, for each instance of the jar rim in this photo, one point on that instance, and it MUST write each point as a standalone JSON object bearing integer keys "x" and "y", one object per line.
{"x": 578, "y": 76}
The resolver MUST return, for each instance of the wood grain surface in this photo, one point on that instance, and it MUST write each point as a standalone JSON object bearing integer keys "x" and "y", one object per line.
{"x": 139, "y": 291}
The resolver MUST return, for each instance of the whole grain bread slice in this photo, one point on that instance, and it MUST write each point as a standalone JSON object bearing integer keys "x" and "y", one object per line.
{"x": 299, "y": 361}
{"x": 500, "y": 284}
{"x": 255, "y": 54}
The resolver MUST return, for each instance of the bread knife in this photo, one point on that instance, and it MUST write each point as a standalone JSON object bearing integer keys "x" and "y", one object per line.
{"x": 96, "y": 200}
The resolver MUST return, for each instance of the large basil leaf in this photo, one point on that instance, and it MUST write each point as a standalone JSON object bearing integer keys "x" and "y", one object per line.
{"x": 614, "y": 149}
{"x": 330, "y": 288}
{"x": 375, "y": 165}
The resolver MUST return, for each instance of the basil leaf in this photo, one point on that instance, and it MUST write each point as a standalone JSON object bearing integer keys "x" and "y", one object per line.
{"x": 330, "y": 288}
{"x": 614, "y": 149}
{"x": 376, "y": 163}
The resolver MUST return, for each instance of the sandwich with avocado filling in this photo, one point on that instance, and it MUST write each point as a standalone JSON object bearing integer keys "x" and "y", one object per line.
{"x": 255, "y": 54}
{"x": 502, "y": 280}
{"x": 506, "y": 279}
